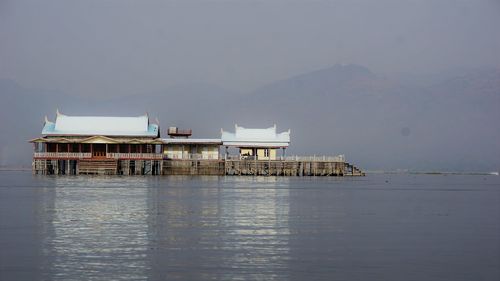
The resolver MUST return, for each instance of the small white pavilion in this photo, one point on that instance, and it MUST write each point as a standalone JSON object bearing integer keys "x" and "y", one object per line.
{"x": 258, "y": 144}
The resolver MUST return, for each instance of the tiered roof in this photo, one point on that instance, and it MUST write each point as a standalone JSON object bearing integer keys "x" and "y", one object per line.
{"x": 100, "y": 125}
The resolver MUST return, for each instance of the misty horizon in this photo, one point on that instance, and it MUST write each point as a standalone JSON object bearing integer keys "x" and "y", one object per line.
{"x": 390, "y": 84}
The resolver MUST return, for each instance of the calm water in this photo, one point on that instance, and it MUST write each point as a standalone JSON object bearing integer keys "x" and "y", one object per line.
{"x": 380, "y": 227}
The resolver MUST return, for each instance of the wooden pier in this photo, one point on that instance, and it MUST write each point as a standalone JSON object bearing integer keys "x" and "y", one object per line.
{"x": 75, "y": 145}
{"x": 290, "y": 168}
{"x": 228, "y": 167}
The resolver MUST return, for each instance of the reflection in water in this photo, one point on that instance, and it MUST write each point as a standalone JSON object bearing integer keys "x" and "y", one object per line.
{"x": 175, "y": 228}
{"x": 219, "y": 228}
{"x": 257, "y": 223}
{"x": 97, "y": 229}
{"x": 386, "y": 227}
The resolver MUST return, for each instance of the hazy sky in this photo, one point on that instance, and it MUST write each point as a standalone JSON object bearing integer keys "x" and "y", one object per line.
{"x": 109, "y": 47}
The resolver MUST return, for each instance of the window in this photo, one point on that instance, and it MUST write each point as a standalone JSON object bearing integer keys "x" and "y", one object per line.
{"x": 158, "y": 148}
{"x": 112, "y": 148}
{"x": 123, "y": 148}
{"x": 85, "y": 147}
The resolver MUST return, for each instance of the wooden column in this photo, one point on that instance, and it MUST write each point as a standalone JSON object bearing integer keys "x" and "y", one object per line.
{"x": 269, "y": 161}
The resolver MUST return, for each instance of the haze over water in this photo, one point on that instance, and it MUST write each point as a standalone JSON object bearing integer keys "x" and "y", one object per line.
{"x": 379, "y": 227}
{"x": 391, "y": 84}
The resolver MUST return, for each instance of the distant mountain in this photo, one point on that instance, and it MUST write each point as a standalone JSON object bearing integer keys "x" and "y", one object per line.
{"x": 379, "y": 122}
{"x": 464, "y": 115}
{"x": 482, "y": 85}
{"x": 346, "y": 82}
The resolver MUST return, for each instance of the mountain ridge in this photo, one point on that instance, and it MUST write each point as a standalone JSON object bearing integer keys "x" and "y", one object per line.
{"x": 341, "y": 109}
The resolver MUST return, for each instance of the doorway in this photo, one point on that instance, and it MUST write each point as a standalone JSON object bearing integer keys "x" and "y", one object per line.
{"x": 99, "y": 150}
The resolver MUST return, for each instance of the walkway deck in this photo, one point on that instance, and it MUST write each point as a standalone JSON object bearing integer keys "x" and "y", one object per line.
{"x": 313, "y": 166}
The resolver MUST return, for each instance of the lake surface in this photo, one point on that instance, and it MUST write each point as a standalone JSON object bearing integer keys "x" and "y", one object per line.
{"x": 379, "y": 227}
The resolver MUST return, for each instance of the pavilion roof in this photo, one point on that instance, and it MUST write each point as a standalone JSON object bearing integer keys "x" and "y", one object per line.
{"x": 250, "y": 137}
{"x": 98, "y": 139}
{"x": 100, "y": 125}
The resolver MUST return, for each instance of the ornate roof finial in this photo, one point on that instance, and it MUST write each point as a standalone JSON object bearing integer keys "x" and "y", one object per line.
{"x": 46, "y": 119}
{"x": 57, "y": 112}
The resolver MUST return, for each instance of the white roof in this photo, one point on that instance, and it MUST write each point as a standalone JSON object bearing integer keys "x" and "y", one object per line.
{"x": 245, "y": 137}
{"x": 100, "y": 125}
{"x": 186, "y": 141}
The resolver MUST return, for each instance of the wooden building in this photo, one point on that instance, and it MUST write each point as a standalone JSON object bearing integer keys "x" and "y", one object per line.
{"x": 73, "y": 145}
{"x": 196, "y": 149}
{"x": 96, "y": 144}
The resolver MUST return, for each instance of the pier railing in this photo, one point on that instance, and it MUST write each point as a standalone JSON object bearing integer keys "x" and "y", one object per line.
{"x": 135, "y": 156}
{"x": 176, "y": 156}
{"x": 160, "y": 156}
{"x": 62, "y": 155}
{"x": 314, "y": 158}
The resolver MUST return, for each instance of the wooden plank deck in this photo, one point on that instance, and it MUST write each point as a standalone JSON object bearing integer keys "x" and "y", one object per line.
{"x": 228, "y": 167}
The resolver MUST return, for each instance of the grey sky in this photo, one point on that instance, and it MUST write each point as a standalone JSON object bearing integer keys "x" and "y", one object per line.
{"x": 130, "y": 47}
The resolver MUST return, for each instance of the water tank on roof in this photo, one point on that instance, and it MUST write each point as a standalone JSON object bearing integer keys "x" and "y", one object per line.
{"x": 174, "y": 132}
